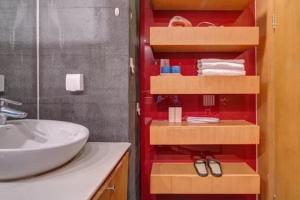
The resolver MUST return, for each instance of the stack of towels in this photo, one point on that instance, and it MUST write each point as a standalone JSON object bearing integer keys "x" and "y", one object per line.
{"x": 221, "y": 67}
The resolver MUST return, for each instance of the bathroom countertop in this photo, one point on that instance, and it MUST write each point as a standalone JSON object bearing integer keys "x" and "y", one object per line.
{"x": 77, "y": 180}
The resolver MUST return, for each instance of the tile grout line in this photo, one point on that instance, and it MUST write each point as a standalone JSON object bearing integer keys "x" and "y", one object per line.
{"x": 38, "y": 56}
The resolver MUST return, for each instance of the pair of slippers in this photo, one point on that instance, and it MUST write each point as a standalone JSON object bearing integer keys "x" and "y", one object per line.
{"x": 214, "y": 166}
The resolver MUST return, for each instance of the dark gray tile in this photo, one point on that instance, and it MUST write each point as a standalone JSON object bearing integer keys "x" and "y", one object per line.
{"x": 17, "y": 25}
{"x": 20, "y": 79}
{"x": 81, "y": 27}
{"x": 103, "y": 73}
{"x": 18, "y": 52}
{"x": 103, "y": 106}
{"x": 113, "y": 74}
{"x": 85, "y": 3}
{"x": 117, "y": 32}
{"x": 12, "y": 4}
{"x": 106, "y": 123}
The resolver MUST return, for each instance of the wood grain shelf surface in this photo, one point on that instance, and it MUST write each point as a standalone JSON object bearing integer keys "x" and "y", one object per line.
{"x": 203, "y": 39}
{"x": 225, "y": 132}
{"x": 219, "y": 5}
{"x": 182, "y": 178}
{"x": 204, "y": 84}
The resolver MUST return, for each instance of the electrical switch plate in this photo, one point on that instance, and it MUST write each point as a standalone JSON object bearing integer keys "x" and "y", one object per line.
{"x": 74, "y": 82}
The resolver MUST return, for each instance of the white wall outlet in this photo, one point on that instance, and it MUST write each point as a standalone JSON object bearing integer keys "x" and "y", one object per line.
{"x": 2, "y": 83}
{"x": 74, "y": 82}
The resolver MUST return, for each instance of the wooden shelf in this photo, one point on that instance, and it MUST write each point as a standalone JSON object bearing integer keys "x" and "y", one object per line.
{"x": 203, "y": 39}
{"x": 204, "y": 84}
{"x": 225, "y": 132}
{"x": 227, "y": 5}
{"x": 182, "y": 178}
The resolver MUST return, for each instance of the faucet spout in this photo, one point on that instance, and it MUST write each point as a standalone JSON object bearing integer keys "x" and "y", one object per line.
{"x": 6, "y": 111}
{"x": 13, "y": 113}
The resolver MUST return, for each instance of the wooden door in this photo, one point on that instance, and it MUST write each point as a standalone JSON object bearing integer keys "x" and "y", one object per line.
{"x": 287, "y": 102}
{"x": 266, "y": 98}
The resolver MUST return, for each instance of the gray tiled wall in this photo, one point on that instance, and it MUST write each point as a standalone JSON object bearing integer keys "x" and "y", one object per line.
{"x": 18, "y": 51}
{"x": 86, "y": 37}
{"x": 76, "y": 36}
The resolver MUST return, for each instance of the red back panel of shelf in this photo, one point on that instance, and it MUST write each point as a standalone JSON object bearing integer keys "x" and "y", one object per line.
{"x": 156, "y": 106}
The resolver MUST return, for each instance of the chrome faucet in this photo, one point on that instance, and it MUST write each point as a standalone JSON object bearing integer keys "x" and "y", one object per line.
{"x": 6, "y": 111}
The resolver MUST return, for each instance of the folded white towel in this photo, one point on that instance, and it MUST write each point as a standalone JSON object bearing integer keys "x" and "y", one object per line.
{"x": 202, "y": 120}
{"x": 221, "y": 72}
{"x": 213, "y": 60}
{"x": 231, "y": 66}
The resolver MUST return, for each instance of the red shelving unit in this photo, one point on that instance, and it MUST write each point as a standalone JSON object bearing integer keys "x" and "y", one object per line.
{"x": 154, "y": 105}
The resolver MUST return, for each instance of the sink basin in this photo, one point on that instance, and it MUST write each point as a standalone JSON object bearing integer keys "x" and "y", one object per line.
{"x": 30, "y": 147}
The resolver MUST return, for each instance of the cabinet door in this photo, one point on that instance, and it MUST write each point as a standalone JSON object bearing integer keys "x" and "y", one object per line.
{"x": 287, "y": 104}
{"x": 119, "y": 182}
{"x": 115, "y": 187}
{"x": 106, "y": 195}
{"x": 266, "y": 98}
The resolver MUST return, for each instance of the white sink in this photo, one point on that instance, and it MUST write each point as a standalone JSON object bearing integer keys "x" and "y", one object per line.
{"x": 30, "y": 147}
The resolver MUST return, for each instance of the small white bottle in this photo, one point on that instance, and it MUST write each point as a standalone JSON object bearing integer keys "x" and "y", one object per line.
{"x": 178, "y": 114}
{"x": 172, "y": 114}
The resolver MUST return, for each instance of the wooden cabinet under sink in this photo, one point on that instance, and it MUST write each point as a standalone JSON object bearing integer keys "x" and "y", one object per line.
{"x": 115, "y": 186}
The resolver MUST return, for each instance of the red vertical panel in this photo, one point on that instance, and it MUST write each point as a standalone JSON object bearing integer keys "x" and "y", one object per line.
{"x": 227, "y": 106}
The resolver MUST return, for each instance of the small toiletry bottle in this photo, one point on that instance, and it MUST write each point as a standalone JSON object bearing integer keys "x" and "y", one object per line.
{"x": 164, "y": 62}
{"x": 165, "y": 70}
{"x": 165, "y": 66}
{"x": 172, "y": 114}
{"x": 176, "y": 69}
{"x": 178, "y": 114}
{"x": 177, "y": 109}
